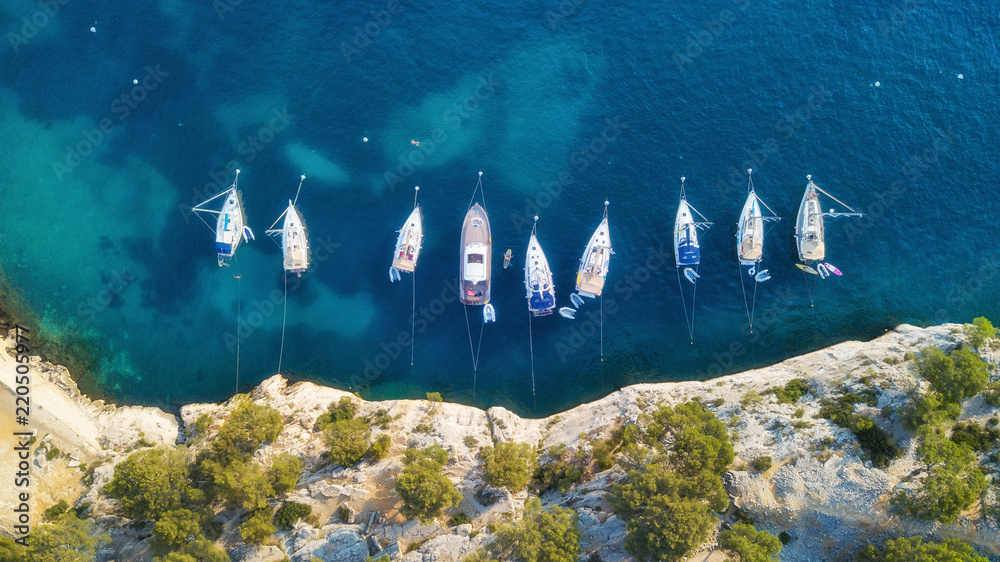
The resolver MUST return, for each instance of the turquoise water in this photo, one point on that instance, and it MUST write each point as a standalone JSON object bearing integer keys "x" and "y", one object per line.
{"x": 891, "y": 107}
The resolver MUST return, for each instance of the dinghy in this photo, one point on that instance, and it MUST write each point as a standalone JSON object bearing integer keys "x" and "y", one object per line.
{"x": 541, "y": 293}
{"x": 567, "y": 312}
{"x": 595, "y": 261}
{"x": 691, "y": 275}
{"x": 810, "y": 233}
{"x": 230, "y": 225}
{"x": 762, "y": 276}
{"x": 408, "y": 244}
{"x": 823, "y": 273}
{"x": 576, "y": 299}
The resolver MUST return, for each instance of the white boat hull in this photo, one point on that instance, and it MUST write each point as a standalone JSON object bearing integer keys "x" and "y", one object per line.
{"x": 594, "y": 264}
{"x": 409, "y": 242}
{"x": 294, "y": 242}
{"x": 750, "y": 232}
{"x": 476, "y": 257}
{"x": 809, "y": 231}
{"x": 541, "y": 293}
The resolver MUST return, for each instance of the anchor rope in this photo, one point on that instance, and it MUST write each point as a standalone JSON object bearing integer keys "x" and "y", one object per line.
{"x": 284, "y": 312}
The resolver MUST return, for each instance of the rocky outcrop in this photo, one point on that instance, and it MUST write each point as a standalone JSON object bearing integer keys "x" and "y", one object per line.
{"x": 819, "y": 488}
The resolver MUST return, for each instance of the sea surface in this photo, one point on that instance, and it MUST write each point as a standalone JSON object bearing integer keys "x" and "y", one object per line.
{"x": 111, "y": 134}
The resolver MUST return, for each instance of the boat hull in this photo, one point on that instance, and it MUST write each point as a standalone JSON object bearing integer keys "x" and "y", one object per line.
{"x": 294, "y": 242}
{"x": 750, "y": 232}
{"x": 475, "y": 259}
{"x": 810, "y": 236}
{"x": 541, "y": 293}
{"x": 229, "y": 226}
{"x": 594, "y": 263}
{"x": 409, "y": 242}
{"x": 687, "y": 251}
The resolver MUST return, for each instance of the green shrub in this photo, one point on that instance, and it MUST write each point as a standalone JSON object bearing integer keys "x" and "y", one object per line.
{"x": 349, "y": 441}
{"x": 470, "y": 442}
{"x": 171, "y": 532}
{"x": 760, "y": 464}
{"x": 150, "y": 483}
{"x": 875, "y": 442}
{"x": 957, "y": 376}
{"x": 459, "y": 519}
{"x": 561, "y": 473}
{"x": 509, "y": 465}
{"x": 914, "y": 549}
{"x": 791, "y": 392}
{"x": 343, "y": 514}
{"x": 380, "y": 448}
{"x": 784, "y": 537}
{"x": 434, "y": 397}
{"x": 343, "y": 410}
{"x": 69, "y": 540}
{"x": 425, "y": 491}
{"x": 953, "y": 484}
{"x": 57, "y": 510}
{"x": 992, "y": 394}
{"x": 601, "y": 450}
{"x": 202, "y": 424}
{"x": 289, "y": 513}
{"x": 244, "y": 484}
{"x": 975, "y": 436}
{"x": 931, "y": 409}
{"x": 257, "y": 527}
{"x": 247, "y": 429}
{"x": 751, "y": 545}
{"x": 541, "y": 535}
{"x": 751, "y": 398}
{"x": 284, "y": 473}
{"x": 979, "y": 331}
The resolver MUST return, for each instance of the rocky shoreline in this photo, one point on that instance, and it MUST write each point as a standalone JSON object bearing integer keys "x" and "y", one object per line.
{"x": 818, "y": 490}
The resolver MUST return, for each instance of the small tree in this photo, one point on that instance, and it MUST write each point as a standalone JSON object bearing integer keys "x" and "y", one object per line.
{"x": 172, "y": 531}
{"x": 345, "y": 409}
{"x": 150, "y": 482}
{"x": 958, "y": 376}
{"x": 289, "y": 513}
{"x": 246, "y": 485}
{"x": 284, "y": 473}
{"x": 68, "y": 540}
{"x": 979, "y": 331}
{"x": 349, "y": 441}
{"x": 541, "y": 535}
{"x": 510, "y": 465}
{"x": 752, "y": 545}
{"x": 425, "y": 491}
{"x": 913, "y": 549}
{"x": 257, "y": 527}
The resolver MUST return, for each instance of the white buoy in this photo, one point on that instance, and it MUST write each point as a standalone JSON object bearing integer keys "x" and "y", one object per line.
{"x": 93, "y": 30}
{"x": 365, "y": 139}
{"x": 878, "y": 84}
{"x": 135, "y": 81}
{"x": 961, "y": 77}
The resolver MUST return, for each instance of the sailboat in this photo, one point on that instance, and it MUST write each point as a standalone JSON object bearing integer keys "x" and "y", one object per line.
{"x": 750, "y": 244}
{"x": 595, "y": 261}
{"x": 294, "y": 240}
{"x": 810, "y": 233}
{"x": 538, "y": 278}
{"x": 687, "y": 251}
{"x": 230, "y": 224}
{"x": 408, "y": 244}
{"x": 750, "y": 228}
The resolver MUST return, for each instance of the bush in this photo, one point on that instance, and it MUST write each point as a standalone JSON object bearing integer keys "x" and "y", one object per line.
{"x": 542, "y": 535}
{"x": 57, "y": 510}
{"x": 289, "y": 513}
{"x": 425, "y": 491}
{"x": 284, "y": 473}
{"x": 380, "y": 448}
{"x": 957, "y": 376}
{"x": 979, "y": 331}
{"x": 760, "y": 464}
{"x": 349, "y": 441}
{"x": 343, "y": 514}
{"x": 69, "y": 540}
{"x": 246, "y": 485}
{"x": 954, "y": 482}
{"x": 561, "y": 473}
{"x": 931, "y": 409}
{"x": 150, "y": 483}
{"x": 509, "y": 465}
{"x": 975, "y": 436}
{"x": 257, "y": 527}
{"x": 992, "y": 394}
{"x": 752, "y": 545}
{"x": 202, "y": 424}
{"x": 874, "y": 441}
{"x": 171, "y": 532}
{"x": 247, "y": 429}
{"x": 343, "y": 410}
{"x": 459, "y": 519}
{"x": 914, "y": 549}
{"x": 791, "y": 392}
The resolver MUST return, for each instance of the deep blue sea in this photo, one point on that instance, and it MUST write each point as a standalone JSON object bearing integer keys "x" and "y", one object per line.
{"x": 892, "y": 106}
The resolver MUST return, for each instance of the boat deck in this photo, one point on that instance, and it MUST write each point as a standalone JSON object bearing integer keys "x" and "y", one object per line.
{"x": 589, "y": 284}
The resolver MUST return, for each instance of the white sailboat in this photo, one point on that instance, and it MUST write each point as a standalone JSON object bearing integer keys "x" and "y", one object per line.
{"x": 810, "y": 232}
{"x": 230, "y": 225}
{"x": 596, "y": 259}
{"x": 687, "y": 252}
{"x": 408, "y": 243}
{"x": 750, "y": 228}
{"x": 294, "y": 239}
{"x": 541, "y": 293}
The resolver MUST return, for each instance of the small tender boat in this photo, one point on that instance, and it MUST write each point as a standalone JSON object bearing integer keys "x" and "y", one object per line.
{"x": 567, "y": 312}
{"x": 807, "y": 269}
{"x": 489, "y": 314}
{"x": 506, "y": 258}
{"x": 576, "y": 299}
{"x": 595, "y": 261}
{"x": 810, "y": 233}
{"x": 475, "y": 260}
{"x": 230, "y": 225}
{"x": 408, "y": 244}
{"x": 691, "y": 275}
{"x": 762, "y": 276}
{"x": 829, "y": 267}
{"x": 823, "y": 273}
{"x": 541, "y": 293}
